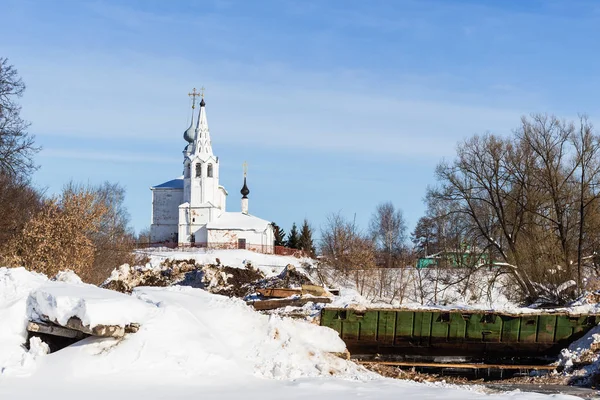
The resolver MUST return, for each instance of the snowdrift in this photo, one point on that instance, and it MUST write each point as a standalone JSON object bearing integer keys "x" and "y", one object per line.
{"x": 184, "y": 332}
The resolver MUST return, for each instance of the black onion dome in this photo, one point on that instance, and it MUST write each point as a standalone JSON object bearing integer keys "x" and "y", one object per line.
{"x": 245, "y": 191}
{"x": 202, "y": 103}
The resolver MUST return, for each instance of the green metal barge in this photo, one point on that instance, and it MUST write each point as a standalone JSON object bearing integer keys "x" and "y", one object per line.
{"x": 479, "y": 336}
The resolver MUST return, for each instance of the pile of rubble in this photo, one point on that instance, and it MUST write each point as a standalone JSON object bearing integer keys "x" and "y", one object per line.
{"x": 170, "y": 272}
{"x": 291, "y": 287}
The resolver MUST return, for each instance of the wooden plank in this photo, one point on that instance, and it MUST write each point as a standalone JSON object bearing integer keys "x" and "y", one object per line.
{"x": 54, "y": 330}
{"x": 277, "y": 303}
{"x": 459, "y": 365}
{"x": 278, "y": 292}
{"x": 315, "y": 290}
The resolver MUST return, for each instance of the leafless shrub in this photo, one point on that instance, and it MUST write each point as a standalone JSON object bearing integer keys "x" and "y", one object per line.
{"x": 58, "y": 236}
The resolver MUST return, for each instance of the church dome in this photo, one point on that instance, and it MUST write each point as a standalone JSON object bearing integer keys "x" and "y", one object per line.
{"x": 245, "y": 191}
{"x": 188, "y": 135}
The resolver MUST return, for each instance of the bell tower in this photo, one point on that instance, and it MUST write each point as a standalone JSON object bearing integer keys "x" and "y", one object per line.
{"x": 200, "y": 166}
{"x": 203, "y": 198}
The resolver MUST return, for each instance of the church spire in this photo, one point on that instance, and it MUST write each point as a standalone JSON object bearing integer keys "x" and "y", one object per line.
{"x": 245, "y": 191}
{"x": 202, "y": 139}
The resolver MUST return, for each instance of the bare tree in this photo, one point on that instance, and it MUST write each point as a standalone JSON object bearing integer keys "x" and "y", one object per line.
{"x": 16, "y": 144}
{"x": 526, "y": 199}
{"x": 587, "y": 171}
{"x": 114, "y": 240}
{"x": 143, "y": 237}
{"x": 388, "y": 230}
{"x": 19, "y": 202}
{"x": 347, "y": 250}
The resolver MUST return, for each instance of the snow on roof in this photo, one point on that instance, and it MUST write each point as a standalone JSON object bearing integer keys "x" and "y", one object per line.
{"x": 238, "y": 221}
{"x": 176, "y": 183}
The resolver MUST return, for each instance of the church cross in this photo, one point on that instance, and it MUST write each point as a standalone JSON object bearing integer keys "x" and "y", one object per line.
{"x": 195, "y": 94}
{"x": 202, "y": 89}
{"x": 245, "y": 165}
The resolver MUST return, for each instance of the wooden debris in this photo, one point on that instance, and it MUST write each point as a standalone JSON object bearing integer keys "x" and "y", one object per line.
{"x": 54, "y": 330}
{"x": 74, "y": 328}
{"x": 277, "y": 303}
{"x": 315, "y": 290}
{"x": 278, "y": 292}
{"x": 115, "y": 331}
{"x": 282, "y": 293}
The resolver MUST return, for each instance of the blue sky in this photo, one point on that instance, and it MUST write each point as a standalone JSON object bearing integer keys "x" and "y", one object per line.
{"x": 335, "y": 105}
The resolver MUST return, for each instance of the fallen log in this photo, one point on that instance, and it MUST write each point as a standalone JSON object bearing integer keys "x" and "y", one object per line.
{"x": 295, "y": 302}
{"x": 54, "y": 330}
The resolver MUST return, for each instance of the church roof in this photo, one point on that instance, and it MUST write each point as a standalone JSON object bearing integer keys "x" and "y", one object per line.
{"x": 176, "y": 183}
{"x": 239, "y": 222}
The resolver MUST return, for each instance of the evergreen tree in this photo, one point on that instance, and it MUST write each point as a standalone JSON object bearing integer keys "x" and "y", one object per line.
{"x": 305, "y": 242}
{"x": 279, "y": 235}
{"x": 293, "y": 238}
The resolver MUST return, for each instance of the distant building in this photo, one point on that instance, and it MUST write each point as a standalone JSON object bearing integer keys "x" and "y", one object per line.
{"x": 463, "y": 258}
{"x": 190, "y": 210}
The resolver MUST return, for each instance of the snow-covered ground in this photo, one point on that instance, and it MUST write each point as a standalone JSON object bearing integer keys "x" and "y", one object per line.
{"x": 422, "y": 289}
{"x": 190, "y": 344}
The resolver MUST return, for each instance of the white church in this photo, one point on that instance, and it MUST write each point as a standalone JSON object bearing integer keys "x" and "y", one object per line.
{"x": 191, "y": 210}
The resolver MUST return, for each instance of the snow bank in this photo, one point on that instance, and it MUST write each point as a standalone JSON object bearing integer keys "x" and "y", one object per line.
{"x": 15, "y": 286}
{"x": 194, "y": 334}
{"x": 581, "y": 361}
{"x": 205, "y": 336}
{"x": 184, "y": 332}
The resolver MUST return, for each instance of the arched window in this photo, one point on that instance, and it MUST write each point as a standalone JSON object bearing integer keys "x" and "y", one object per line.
{"x": 198, "y": 170}
{"x": 209, "y": 171}
{"x": 187, "y": 171}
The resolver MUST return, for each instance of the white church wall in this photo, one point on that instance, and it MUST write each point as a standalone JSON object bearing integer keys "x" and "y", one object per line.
{"x": 192, "y": 235}
{"x": 193, "y": 220}
{"x": 195, "y": 191}
{"x": 209, "y": 190}
{"x": 229, "y": 239}
{"x": 269, "y": 238}
{"x": 222, "y": 198}
{"x": 165, "y": 218}
{"x": 163, "y": 233}
{"x": 165, "y": 203}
